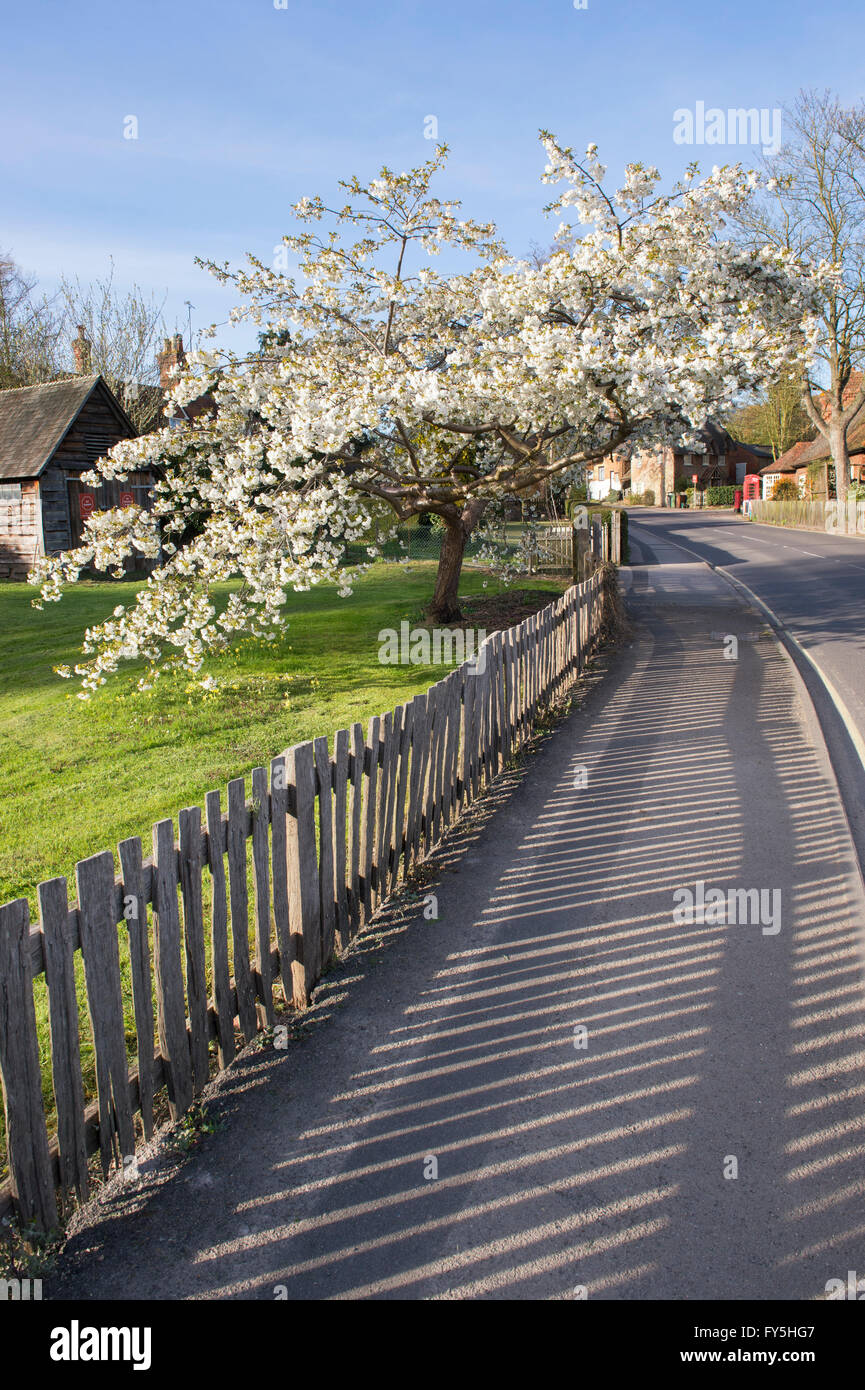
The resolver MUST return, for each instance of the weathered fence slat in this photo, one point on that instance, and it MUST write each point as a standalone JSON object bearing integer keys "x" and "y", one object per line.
{"x": 466, "y": 718}
{"x": 135, "y": 916}
{"x": 219, "y": 931}
{"x": 477, "y": 734}
{"x": 239, "y": 897}
{"x": 449, "y": 772}
{"x": 97, "y": 926}
{"x": 398, "y": 834}
{"x": 514, "y": 691}
{"x": 386, "y": 755}
{"x": 340, "y": 856}
{"x": 327, "y": 908}
{"x": 441, "y": 787}
{"x": 437, "y": 762}
{"x": 304, "y": 909}
{"x": 437, "y": 768}
{"x": 504, "y": 696}
{"x": 65, "y": 1044}
{"x": 279, "y": 856}
{"x": 535, "y": 670}
{"x": 170, "y": 1005}
{"x": 420, "y": 745}
{"x": 435, "y": 722}
{"x": 496, "y": 702}
{"x": 388, "y": 802}
{"x": 371, "y": 755}
{"x": 189, "y": 827}
{"x": 356, "y": 765}
{"x": 30, "y": 1167}
{"x": 261, "y": 881}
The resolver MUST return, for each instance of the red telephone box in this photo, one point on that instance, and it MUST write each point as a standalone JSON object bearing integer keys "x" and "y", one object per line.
{"x": 753, "y": 487}
{"x": 753, "y": 491}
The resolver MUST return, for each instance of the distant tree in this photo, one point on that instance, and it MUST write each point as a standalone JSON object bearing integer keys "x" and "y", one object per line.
{"x": 124, "y": 331}
{"x": 777, "y": 419}
{"x": 538, "y": 255}
{"x": 30, "y": 350}
{"x": 817, "y": 210}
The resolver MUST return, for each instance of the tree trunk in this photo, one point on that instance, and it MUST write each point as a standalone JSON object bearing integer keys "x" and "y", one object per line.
{"x": 841, "y": 460}
{"x": 445, "y": 607}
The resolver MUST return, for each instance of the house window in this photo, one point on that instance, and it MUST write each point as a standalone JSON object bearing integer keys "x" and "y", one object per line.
{"x": 614, "y": 480}
{"x": 10, "y": 492}
{"x": 769, "y": 481}
{"x": 600, "y": 472}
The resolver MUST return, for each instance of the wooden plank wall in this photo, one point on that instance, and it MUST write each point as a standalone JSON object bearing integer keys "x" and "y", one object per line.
{"x": 323, "y": 836}
{"x": 19, "y": 531}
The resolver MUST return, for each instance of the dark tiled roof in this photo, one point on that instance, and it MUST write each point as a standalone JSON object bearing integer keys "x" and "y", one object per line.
{"x": 791, "y": 460}
{"x": 716, "y": 439}
{"x": 34, "y": 420}
{"x": 759, "y": 451}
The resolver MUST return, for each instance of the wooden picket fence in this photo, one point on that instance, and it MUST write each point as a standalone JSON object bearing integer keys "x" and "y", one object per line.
{"x": 325, "y": 837}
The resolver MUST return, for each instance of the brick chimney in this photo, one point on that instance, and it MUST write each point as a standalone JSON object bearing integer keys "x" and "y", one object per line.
{"x": 171, "y": 356}
{"x": 82, "y": 351}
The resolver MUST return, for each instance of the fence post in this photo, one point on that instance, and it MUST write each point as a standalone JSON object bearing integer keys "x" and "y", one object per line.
{"x": 26, "y": 1133}
{"x": 304, "y": 904}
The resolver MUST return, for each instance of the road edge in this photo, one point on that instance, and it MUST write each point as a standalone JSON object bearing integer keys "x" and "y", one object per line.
{"x": 841, "y": 742}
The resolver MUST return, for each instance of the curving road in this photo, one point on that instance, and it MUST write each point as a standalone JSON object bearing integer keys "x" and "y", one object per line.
{"x": 814, "y": 584}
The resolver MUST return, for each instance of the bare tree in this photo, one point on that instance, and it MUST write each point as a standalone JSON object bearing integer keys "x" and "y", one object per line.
{"x": 123, "y": 333}
{"x": 786, "y": 419}
{"x": 29, "y": 330}
{"x": 818, "y": 210}
{"x": 776, "y": 419}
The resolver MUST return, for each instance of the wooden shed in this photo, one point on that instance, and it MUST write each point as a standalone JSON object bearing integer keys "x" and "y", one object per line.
{"x": 49, "y": 436}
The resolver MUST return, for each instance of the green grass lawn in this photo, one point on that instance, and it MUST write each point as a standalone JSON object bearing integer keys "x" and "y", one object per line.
{"x": 76, "y": 777}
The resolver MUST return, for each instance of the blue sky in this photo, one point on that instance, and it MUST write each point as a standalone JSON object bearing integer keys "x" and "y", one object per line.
{"x": 242, "y": 108}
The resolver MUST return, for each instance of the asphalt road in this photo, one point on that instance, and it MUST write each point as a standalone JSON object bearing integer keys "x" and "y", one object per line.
{"x": 556, "y": 1089}
{"x": 815, "y": 585}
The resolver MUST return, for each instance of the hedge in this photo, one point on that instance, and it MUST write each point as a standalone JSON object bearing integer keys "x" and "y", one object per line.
{"x": 713, "y": 496}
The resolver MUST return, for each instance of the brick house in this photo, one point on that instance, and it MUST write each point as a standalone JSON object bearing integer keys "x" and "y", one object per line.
{"x": 795, "y": 462}
{"x": 49, "y": 436}
{"x": 723, "y": 460}
{"x": 611, "y": 474}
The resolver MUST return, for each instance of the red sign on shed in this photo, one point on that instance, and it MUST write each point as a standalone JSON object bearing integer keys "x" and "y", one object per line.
{"x": 86, "y": 504}
{"x": 127, "y": 499}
